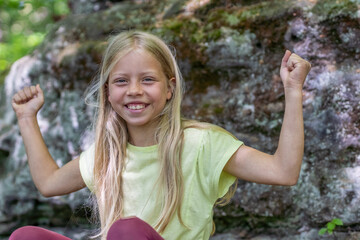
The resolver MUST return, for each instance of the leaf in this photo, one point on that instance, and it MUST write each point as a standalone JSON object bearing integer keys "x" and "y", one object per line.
{"x": 322, "y": 231}
{"x": 330, "y": 226}
{"x": 337, "y": 221}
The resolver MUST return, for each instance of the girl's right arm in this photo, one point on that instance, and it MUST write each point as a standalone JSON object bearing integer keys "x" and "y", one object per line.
{"x": 49, "y": 179}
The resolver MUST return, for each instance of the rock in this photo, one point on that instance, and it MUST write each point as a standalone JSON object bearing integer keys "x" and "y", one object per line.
{"x": 229, "y": 53}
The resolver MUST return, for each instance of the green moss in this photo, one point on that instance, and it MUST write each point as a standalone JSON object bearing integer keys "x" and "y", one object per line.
{"x": 216, "y": 16}
{"x": 174, "y": 25}
{"x": 214, "y": 35}
{"x": 198, "y": 36}
{"x": 256, "y": 12}
{"x": 330, "y": 9}
{"x": 189, "y": 28}
{"x": 266, "y": 10}
{"x": 231, "y": 19}
{"x": 206, "y": 105}
{"x": 218, "y": 110}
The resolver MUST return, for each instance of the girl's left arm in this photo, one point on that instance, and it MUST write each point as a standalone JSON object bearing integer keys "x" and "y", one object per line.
{"x": 283, "y": 167}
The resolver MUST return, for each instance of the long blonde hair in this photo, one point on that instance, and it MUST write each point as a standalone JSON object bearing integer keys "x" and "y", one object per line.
{"x": 111, "y": 140}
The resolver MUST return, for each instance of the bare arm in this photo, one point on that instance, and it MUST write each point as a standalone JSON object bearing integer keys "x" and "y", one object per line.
{"x": 47, "y": 176}
{"x": 283, "y": 167}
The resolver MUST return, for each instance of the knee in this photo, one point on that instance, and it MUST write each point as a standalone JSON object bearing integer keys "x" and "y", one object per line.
{"x": 126, "y": 225}
{"x": 128, "y": 228}
{"x": 24, "y": 233}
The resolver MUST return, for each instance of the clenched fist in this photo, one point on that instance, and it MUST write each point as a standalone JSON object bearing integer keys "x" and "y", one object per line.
{"x": 28, "y": 101}
{"x": 293, "y": 70}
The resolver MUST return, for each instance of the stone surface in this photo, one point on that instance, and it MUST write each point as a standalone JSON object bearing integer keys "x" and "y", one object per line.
{"x": 229, "y": 53}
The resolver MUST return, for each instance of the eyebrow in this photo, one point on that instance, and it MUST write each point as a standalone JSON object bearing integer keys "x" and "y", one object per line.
{"x": 141, "y": 73}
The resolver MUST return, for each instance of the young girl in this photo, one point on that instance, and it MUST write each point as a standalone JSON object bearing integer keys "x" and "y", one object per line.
{"x": 154, "y": 174}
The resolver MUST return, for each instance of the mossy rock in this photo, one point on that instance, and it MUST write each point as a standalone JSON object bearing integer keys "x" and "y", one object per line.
{"x": 334, "y": 9}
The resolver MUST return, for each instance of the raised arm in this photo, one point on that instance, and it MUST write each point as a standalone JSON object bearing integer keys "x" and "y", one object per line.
{"x": 283, "y": 167}
{"x": 49, "y": 179}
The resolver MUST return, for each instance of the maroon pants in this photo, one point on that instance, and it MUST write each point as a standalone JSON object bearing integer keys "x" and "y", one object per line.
{"x": 123, "y": 229}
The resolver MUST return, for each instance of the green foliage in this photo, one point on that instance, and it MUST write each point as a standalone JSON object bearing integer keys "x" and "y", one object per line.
{"x": 330, "y": 226}
{"x": 23, "y": 26}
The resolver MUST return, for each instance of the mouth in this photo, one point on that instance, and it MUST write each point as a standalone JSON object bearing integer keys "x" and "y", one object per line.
{"x": 135, "y": 106}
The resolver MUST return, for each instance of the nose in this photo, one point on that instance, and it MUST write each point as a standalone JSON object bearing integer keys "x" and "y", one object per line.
{"x": 134, "y": 88}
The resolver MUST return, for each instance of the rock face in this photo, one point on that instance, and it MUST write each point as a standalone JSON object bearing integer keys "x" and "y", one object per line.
{"x": 229, "y": 53}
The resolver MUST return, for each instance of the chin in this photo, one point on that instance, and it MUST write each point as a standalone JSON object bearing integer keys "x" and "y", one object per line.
{"x": 138, "y": 123}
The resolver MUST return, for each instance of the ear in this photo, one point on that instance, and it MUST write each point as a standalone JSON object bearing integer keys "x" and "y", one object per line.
{"x": 171, "y": 88}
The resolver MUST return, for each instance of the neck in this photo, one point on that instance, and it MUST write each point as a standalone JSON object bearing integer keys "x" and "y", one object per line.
{"x": 142, "y": 136}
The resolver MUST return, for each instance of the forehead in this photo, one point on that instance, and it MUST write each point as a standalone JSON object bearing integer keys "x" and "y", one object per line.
{"x": 135, "y": 61}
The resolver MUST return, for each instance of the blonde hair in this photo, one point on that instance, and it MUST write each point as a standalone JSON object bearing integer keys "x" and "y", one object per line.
{"x": 111, "y": 140}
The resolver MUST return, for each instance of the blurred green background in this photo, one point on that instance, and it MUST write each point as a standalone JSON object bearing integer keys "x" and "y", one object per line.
{"x": 23, "y": 26}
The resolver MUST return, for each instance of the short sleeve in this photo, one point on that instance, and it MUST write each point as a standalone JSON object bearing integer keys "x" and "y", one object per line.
{"x": 86, "y": 165}
{"x": 217, "y": 148}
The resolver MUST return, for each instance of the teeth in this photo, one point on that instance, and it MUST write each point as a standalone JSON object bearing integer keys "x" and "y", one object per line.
{"x": 136, "y": 107}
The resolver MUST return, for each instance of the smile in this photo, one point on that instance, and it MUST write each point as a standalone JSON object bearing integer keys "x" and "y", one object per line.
{"x": 135, "y": 106}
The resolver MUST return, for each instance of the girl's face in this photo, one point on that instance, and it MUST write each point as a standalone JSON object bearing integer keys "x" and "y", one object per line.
{"x": 138, "y": 89}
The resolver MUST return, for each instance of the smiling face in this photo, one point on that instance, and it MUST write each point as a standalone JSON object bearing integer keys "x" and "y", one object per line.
{"x": 138, "y": 89}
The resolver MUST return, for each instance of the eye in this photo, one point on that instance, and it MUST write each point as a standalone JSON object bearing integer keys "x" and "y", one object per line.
{"x": 120, "y": 81}
{"x": 148, "y": 80}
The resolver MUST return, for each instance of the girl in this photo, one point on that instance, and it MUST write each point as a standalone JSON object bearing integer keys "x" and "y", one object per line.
{"x": 155, "y": 175}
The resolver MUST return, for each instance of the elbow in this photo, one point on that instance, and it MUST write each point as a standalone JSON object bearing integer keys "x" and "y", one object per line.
{"x": 290, "y": 181}
{"x": 45, "y": 192}
{"x": 288, "y": 175}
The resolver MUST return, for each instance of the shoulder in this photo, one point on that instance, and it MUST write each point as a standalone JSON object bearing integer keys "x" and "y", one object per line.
{"x": 206, "y": 136}
{"x": 193, "y": 128}
{"x": 86, "y": 165}
{"x": 89, "y": 152}
{"x": 86, "y": 161}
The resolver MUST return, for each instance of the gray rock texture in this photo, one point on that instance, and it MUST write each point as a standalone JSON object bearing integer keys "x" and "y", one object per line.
{"x": 229, "y": 53}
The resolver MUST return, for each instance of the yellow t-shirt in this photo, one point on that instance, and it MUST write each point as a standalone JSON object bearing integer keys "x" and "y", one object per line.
{"x": 204, "y": 156}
